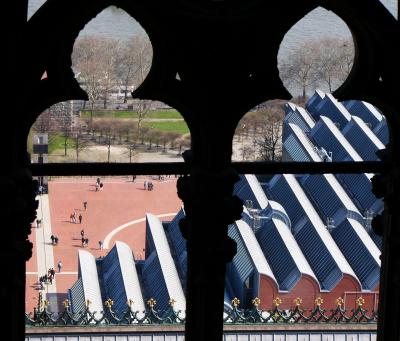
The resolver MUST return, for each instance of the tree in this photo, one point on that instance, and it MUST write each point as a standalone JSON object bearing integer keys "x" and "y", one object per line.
{"x": 134, "y": 63}
{"x": 270, "y": 138}
{"x": 94, "y": 60}
{"x": 79, "y": 142}
{"x": 43, "y": 122}
{"x": 333, "y": 62}
{"x": 324, "y": 62}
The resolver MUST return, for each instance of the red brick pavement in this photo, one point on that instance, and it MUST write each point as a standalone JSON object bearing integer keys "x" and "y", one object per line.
{"x": 120, "y": 201}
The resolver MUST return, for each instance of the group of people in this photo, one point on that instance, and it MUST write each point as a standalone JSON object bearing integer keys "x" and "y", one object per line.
{"x": 85, "y": 241}
{"x": 47, "y": 278}
{"x": 148, "y": 185}
{"x": 72, "y": 217}
{"x": 54, "y": 239}
{"x": 99, "y": 185}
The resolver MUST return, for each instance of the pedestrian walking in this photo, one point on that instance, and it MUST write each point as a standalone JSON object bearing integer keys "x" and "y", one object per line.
{"x": 100, "y": 244}
{"x": 74, "y": 217}
{"x": 83, "y": 241}
{"x": 52, "y": 239}
{"x": 85, "y": 205}
{"x": 82, "y": 233}
{"x": 38, "y": 222}
{"x": 59, "y": 265}
{"x": 80, "y": 218}
{"x": 145, "y": 185}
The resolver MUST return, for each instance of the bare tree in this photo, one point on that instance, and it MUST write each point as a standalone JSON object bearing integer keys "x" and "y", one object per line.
{"x": 325, "y": 62}
{"x": 270, "y": 139}
{"x": 43, "y": 122}
{"x": 79, "y": 142}
{"x": 132, "y": 68}
{"x": 333, "y": 62}
{"x": 94, "y": 60}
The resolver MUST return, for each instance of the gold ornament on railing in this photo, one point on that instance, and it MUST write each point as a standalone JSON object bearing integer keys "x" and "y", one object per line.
{"x": 66, "y": 303}
{"x": 360, "y": 301}
{"x": 151, "y": 302}
{"x": 339, "y": 301}
{"x": 109, "y": 303}
{"x": 256, "y": 302}
{"x": 235, "y": 302}
{"x": 88, "y": 303}
{"x": 297, "y": 301}
{"x": 45, "y": 304}
{"x": 129, "y": 302}
{"x": 277, "y": 301}
{"x": 319, "y": 301}
{"x": 172, "y": 302}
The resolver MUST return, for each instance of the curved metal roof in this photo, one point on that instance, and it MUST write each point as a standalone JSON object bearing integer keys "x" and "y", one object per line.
{"x": 257, "y": 190}
{"x": 90, "y": 281}
{"x": 294, "y": 249}
{"x": 167, "y": 264}
{"x": 318, "y": 225}
{"x": 306, "y": 143}
{"x": 254, "y": 250}
{"x": 130, "y": 276}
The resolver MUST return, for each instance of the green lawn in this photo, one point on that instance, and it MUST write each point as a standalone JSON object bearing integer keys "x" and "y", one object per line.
{"x": 179, "y": 127}
{"x": 56, "y": 141}
{"x": 166, "y": 113}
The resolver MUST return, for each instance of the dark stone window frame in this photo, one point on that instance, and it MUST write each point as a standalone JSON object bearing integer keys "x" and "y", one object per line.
{"x": 207, "y": 44}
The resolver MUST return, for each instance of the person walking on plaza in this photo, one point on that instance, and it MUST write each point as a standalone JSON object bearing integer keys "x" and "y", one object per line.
{"x": 59, "y": 265}
{"x": 52, "y": 239}
{"x": 100, "y": 244}
{"x": 82, "y": 232}
{"x": 145, "y": 185}
{"x": 85, "y": 205}
{"x": 80, "y": 218}
{"x": 83, "y": 241}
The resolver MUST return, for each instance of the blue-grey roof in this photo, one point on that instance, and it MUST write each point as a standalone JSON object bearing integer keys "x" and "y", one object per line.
{"x": 360, "y": 251}
{"x": 120, "y": 278}
{"x": 382, "y": 132}
{"x": 159, "y": 269}
{"x": 333, "y": 109}
{"x": 327, "y": 135}
{"x": 297, "y": 146}
{"x": 367, "y": 112}
{"x": 359, "y": 188}
{"x": 249, "y": 261}
{"x": 361, "y": 137}
{"x": 248, "y": 188}
{"x": 328, "y": 195}
{"x": 328, "y": 263}
{"x": 90, "y": 281}
{"x": 176, "y": 238}
{"x": 296, "y": 115}
{"x": 276, "y": 251}
{"x": 314, "y": 101}
{"x": 283, "y": 254}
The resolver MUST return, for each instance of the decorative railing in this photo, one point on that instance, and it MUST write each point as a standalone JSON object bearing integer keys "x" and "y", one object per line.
{"x": 43, "y": 317}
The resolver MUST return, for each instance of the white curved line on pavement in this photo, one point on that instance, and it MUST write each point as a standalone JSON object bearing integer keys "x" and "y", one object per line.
{"x": 108, "y": 238}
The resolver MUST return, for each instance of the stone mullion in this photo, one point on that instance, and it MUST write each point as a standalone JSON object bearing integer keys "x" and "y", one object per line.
{"x": 209, "y": 207}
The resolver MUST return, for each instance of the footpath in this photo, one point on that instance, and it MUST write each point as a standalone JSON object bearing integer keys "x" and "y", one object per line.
{"x": 44, "y": 248}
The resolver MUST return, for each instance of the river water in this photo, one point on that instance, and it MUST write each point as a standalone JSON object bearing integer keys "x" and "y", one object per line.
{"x": 116, "y": 23}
